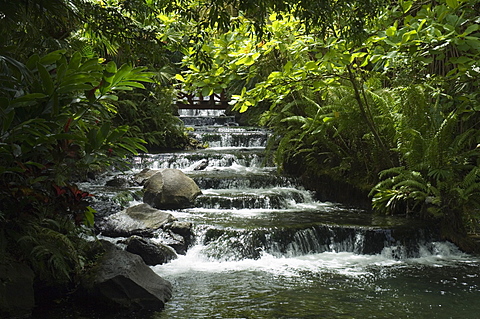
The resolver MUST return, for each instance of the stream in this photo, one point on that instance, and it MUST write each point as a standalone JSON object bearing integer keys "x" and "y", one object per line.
{"x": 265, "y": 248}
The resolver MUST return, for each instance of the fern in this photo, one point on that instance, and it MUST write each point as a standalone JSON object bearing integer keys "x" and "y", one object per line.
{"x": 53, "y": 254}
{"x": 403, "y": 191}
{"x": 472, "y": 179}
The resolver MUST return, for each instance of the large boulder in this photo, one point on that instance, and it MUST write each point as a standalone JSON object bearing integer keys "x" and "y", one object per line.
{"x": 16, "y": 290}
{"x": 122, "y": 278}
{"x": 151, "y": 252}
{"x": 141, "y": 220}
{"x": 170, "y": 189}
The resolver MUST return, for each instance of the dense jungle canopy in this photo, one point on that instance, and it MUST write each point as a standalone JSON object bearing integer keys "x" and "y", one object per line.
{"x": 382, "y": 95}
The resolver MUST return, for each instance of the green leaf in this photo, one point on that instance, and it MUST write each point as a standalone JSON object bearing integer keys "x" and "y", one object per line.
{"x": 29, "y": 98}
{"x": 219, "y": 71}
{"x": 75, "y": 61}
{"x": 89, "y": 66}
{"x": 4, "y": 105}
{"x": 311, "y": 65}
{"x": 92, "y": 139}
{"x": 473, "y": 42}
{"x": 129, "y": 148}
{"x": 122, "y": 88}
{"x": 47, "y": 82}
{"x": 179, "y": 77}
{"x": 406, "y": 36}
{"x": 115, "y": 135}
{"x": 247, "y": 61}
{"x": 452, "y": 4}
{"x": 297, "y": 119}
{"x": 355, "y": 55}
{"x": 112, "y": 97}
{"x": 32, "y": 61}
{"x": 470, "y": 29}
{"x": 206, "y": 91}
{"x": 103, "y": 132}
{"x": 319, "y": 84}
{"x": 79, "y": 78}
{"x": 421, "y": 24}
{"x": 461, "y": 60}
{"x": 109, "y": 72}
{"x": 67, "y": 136}
{"x": 124, "y": 70}
{"x": 90, "y": 217}
{"x": 243, "y": 108}
{"x": 61, "y": 72}
{"x": 52, "y": 57}
{"x": 73, "y": 88}
{"x": 131, "y": 84}
{"x": 391, "y": 31}
{"x": 392, "y": 54}
{"x": 273, "y": 76}
{"x": 406, "y": 5}
{"x": 111, "y": 67}
{"x": 7, "y": 120}
{"x": 124, "y": 77}
{"x": 287, "y": 67}
{"x": 55, "y": 103}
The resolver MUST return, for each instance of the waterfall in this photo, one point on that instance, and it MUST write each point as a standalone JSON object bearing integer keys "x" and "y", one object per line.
{"x": 247, "y": 209}
{"x": 264, "y": 247}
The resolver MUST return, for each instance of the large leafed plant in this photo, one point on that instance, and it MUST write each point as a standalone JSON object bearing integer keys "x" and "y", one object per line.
{"x": 55, "y": 123}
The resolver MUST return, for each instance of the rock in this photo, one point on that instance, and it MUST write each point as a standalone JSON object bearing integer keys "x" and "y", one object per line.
{"x": 183, "y": 229}
{"x": 122, "y": 278}
{"x": 152, "y": 253}
{"x": 176, "y": 241}
{"x": 144, "y": 175}
{"x": 16, "y": 290}
{"x": 117, "y": 182}
{"x": 136, "y": 220}
{"x": 170, "y": 189}
{"x": 104, "y": 206}
{"x": 200, "y": 165}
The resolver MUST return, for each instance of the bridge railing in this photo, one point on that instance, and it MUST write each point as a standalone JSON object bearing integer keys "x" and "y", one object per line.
{"x": 192, "y": 101}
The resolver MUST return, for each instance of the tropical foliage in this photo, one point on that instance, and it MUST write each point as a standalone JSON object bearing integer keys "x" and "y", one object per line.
{"x": 55, "y": 124}
{"x": 380, "y": 94}
{"x": 65, "y": 74}
{"x": 394, "y": 111}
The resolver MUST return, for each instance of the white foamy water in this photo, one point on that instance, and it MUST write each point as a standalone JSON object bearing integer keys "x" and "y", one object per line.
{"x": 344, "y": 263}
{"x": 267, "y": 249}
{"x": 236, "y": 168}
{"x": 235, "y": 148}
{"x": 241, "y": 212}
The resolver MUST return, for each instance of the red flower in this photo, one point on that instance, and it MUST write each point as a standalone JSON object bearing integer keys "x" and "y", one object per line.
{"x": 59, "y": 190}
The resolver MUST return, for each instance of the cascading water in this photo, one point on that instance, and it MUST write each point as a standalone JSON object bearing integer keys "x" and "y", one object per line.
{"x": 264, "y": 248}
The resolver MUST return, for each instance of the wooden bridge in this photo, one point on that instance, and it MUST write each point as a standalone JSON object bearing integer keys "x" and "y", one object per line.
{"x": 192, "y": 101}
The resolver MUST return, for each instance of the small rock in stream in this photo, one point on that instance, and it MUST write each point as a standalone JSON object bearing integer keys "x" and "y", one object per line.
{"x": 200, "y": 165}
{"x": 151, "y": 252}
{"x": 183, "y": 229}
{"x": 117, "y": 182}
